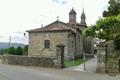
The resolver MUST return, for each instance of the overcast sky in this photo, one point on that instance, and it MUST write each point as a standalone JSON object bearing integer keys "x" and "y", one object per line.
{"x": 17, "y": 16}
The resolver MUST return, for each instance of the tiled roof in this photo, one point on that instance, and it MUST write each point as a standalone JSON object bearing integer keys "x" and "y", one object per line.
{"x": 59, "y": 26}
{"x": 72, "y": 11}
{"x": 55, "y": 26}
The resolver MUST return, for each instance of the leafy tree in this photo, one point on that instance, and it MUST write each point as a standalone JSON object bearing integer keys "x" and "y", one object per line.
{"x": 117, "y": 42}
{"x": 90, "y": 31}
{"x": 111, "y": 29}
{"x": 12, "y": 51}
{"x": 110, "y": 26}
{"x": 19, "y": 51}
{"x": 113, "y": 9}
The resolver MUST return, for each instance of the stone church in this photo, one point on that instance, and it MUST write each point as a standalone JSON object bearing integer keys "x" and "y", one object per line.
{"x": 44, "y": 41}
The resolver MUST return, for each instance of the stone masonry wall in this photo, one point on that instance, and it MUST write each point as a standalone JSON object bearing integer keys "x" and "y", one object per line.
{"x": 36, "y": 43}
{"x": 29, "y": 61}
{"x": 71, "y": 46}
{"x": 74, "y": 46}
{"x": 112, "y": 58}
{"x": 79, "y": 45}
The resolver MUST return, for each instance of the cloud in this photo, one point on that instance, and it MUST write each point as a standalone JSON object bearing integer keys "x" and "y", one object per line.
{"x": 16, "y": 37}
{"x": 61, "y": 2}
{"x": 64, "y": 2}
{"x": 56, "y": 1}
{"x": 14, "y": 17}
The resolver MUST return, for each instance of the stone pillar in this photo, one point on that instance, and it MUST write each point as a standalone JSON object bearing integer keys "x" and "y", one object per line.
{"x": 101, "y": 59}
{"x": 112, "y": 60}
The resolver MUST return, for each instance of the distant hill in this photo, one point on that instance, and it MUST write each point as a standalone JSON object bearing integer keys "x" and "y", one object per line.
{"x": 4, "y": 45}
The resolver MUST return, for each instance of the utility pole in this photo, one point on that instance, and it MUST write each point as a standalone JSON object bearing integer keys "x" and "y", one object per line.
{"x": 24, "y": 43}
{"x": 9, "y": 44}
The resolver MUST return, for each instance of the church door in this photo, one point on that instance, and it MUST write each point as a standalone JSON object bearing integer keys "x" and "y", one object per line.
{"x": 60, "y": 55}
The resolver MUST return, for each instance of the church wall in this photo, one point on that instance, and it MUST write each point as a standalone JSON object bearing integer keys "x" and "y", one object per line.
{"x": 71, "y": 46}
{"x": 75, "y": 45}
{"x": 79, "y": 45}
{"x": 36, "y": 43}
{"x": 88, "y": 48}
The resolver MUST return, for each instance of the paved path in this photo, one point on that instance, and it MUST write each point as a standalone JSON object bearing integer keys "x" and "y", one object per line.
{"x": 90, "y": 66}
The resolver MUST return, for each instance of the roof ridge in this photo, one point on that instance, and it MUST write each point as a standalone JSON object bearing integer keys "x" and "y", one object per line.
{"x": 49, "y": 27}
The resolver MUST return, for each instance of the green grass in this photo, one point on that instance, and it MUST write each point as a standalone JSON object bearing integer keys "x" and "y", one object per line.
{"x": 73, "y": 63}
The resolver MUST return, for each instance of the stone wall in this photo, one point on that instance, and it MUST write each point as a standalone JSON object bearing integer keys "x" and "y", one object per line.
{"x": 71, "y": 46}
{"x": 101, "y": 58}
{"x": 88, "y": 45}
{"x": 112, "y": 58}
{"x": 67, "y": 38}
{"x": 29, "y": 61}
{"x": 36, "y": 43}
{"x": 112, "y": 66}
{"x": 79, "y": 45}
{"x": 108, "y": 58}
{"x": 75, "y": 45}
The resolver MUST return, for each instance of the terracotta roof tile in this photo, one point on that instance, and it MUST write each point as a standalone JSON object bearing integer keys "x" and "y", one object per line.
{"x": 57, "y": 25}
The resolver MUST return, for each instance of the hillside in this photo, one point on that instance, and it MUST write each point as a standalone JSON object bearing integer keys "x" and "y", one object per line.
{"x": 4, "y": 45}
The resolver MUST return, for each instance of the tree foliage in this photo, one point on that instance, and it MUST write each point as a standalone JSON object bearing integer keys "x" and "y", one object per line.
{"x": 19, "y": 51}
{"x": 113, "y": 8}
{"x": 15, "y": 51}
{"x": 90, "y": 31}
{"x": 25, "y": 50}
{"x": 110, "y": 26}
{"x": 110, "y": 29}
{"x": 12, "y": 51}
{"x": 117, "y": 42}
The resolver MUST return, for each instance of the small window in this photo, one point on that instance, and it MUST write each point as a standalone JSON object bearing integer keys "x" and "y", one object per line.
{"x": 47, "y": 44}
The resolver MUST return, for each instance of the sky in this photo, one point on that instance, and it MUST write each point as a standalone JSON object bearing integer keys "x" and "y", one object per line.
{"x": 18, "y": 16}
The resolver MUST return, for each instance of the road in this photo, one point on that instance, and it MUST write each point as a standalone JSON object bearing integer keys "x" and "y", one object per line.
{"x": 11, "y": 72}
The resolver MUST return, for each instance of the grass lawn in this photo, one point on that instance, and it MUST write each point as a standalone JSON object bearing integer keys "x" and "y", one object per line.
{"x": 73, "y": 63}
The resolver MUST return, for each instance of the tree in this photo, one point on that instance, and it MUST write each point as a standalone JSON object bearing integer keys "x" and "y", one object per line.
{"x": 12, "y": 51}
{"x": 117, "y": 39}
{"x": 25, "y": 50}
{"x": 113, "y": 9}
{"x": 19, "y": 51}
{"x": 90, "y": 31}
{"x": 2, "y": 51}
{"x": 117, "y": 42}
{"x": 111, "y": 29}
{"x": 110, "y": 26}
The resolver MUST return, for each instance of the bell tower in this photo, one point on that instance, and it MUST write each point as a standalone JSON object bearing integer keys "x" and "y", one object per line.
{"x": 83, "y": 19}
{"x": 72, "y": 16}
